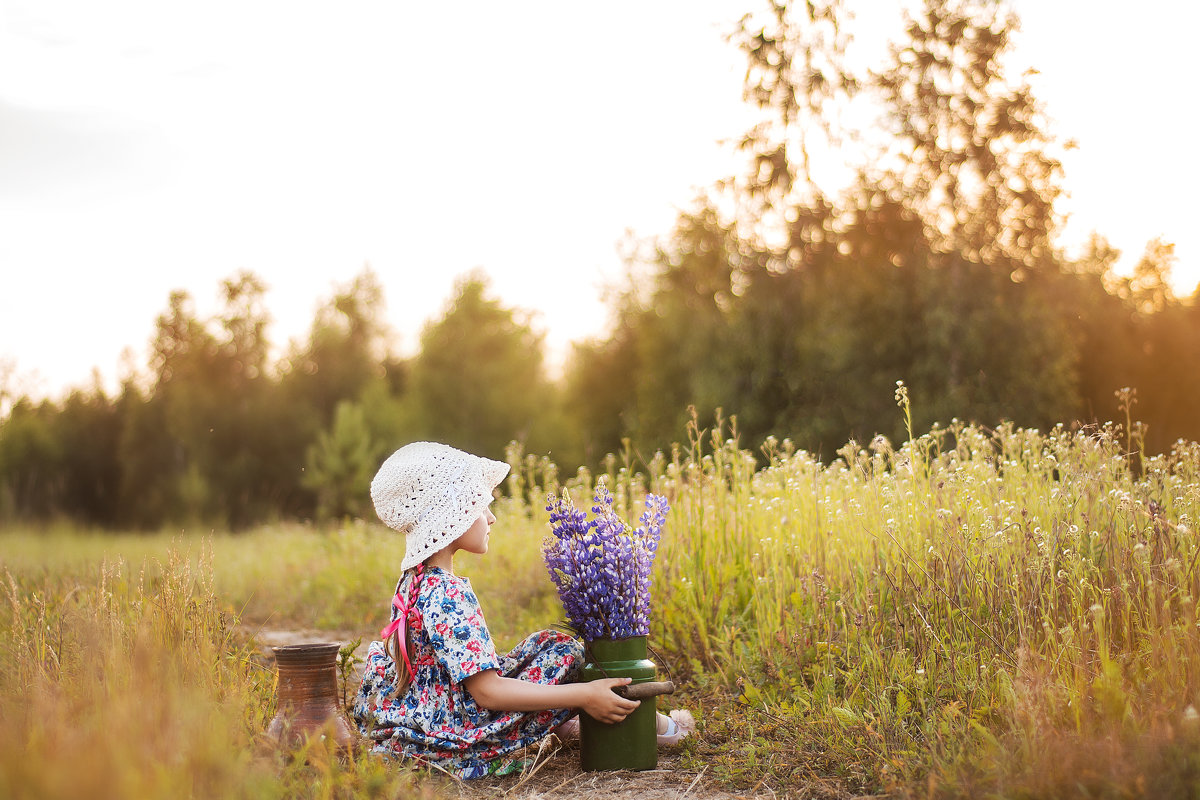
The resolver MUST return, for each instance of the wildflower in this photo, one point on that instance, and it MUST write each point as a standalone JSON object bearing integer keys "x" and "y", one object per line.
{"x": 601, "y": 566}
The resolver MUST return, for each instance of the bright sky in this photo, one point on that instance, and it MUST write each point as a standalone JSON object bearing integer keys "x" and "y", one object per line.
{"x": 152, "y": 145}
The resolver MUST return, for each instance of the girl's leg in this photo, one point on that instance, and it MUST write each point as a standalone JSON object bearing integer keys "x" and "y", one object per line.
{"x": 674, "y": 727}
{"x": 569, "y": 730}
{"x": 544, "y": 657}
{"x": 670, "y": 729}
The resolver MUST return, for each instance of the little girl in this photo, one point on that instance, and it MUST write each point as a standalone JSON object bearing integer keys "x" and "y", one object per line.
{"x": 434, "y": 688}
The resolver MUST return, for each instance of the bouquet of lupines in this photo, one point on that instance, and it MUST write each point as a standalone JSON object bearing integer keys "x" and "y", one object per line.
{"x": 601, "y": 566}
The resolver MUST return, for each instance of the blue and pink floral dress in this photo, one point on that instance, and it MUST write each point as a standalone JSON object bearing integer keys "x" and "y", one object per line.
{"x": 436, "y": 720}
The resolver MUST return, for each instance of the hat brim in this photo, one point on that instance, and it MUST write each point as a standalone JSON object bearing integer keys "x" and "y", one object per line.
{"x": 430, "y": 535}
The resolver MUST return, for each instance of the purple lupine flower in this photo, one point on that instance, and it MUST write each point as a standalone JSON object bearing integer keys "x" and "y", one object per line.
{"x": 601, "y": 566}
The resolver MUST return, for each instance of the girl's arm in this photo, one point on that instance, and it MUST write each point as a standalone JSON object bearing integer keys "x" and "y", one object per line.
{"x": 496, "y": 693}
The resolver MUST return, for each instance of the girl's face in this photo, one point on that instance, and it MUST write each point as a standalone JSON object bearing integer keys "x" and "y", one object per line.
{"x": 475, "y": 540}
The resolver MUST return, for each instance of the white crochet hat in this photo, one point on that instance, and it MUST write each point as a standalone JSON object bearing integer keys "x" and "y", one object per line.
{"x": 433, "y": 493}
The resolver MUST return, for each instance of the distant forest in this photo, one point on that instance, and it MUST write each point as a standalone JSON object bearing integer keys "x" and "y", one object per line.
{"x": 794, "y": 309}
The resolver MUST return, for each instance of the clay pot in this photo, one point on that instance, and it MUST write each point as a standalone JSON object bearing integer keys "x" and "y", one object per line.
{"x": 308, "y": 697}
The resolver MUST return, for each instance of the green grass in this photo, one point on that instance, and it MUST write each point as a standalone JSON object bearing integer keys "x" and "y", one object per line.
{"x": 296, "y": 576}
{"x": 974, "y": 613}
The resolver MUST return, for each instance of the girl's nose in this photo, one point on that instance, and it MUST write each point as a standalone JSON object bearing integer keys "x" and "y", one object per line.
{"x": 491, "y": 518}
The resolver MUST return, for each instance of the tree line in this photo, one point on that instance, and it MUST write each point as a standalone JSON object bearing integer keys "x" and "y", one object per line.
{"x": 799, "y": 308}
{"x": 794, "y": 308}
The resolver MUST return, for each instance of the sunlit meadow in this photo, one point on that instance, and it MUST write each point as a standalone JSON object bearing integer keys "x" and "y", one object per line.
{"x": 972, "y": 612}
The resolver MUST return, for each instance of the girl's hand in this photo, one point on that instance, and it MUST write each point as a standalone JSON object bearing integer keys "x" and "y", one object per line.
{"x": 604, "y": 705}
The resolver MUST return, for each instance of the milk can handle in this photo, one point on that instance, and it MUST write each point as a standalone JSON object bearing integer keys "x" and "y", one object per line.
{"x": 641, "y": 691}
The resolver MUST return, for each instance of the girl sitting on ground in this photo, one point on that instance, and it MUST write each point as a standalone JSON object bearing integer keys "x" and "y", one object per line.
{"x": 434, "y": 688}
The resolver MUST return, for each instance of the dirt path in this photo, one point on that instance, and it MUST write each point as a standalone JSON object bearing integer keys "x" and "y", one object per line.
{"x": 555, "y": 774}
{"x": 559, "y": 777}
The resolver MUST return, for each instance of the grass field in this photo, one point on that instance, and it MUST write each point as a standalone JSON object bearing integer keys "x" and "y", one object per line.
{"x": 975, "y": 613}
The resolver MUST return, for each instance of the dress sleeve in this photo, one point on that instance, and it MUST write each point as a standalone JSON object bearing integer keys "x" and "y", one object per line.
{"x": 457, "y": 632}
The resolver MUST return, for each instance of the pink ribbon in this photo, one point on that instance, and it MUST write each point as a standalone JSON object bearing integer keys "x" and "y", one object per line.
{"x": 398, "y": 627}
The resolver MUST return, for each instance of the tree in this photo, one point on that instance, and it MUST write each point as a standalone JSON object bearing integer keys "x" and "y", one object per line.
{"x": 971, "y": 146}
{"x": 796, "y": 78}
{"x": 1149, "y": 288}
{"x": 59, "y": 458}
{"x": 165, "y": 429}
{"x": 346, "y": 358}
{"x": 150, "y": 461}
{"x": 970, "y": 155}
{"x": 30, "y": 456}
{"x": 600, "y": 390}
{"x": 339, "y": 465}
{"x": 347, "y": 348}
{"x": 210, "y": 459}
{"x": 88, "y": 426}
{"x": 478, "y": 381}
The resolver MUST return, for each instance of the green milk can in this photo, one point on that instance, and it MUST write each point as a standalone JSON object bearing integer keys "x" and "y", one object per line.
{"x": 633, "y": 742}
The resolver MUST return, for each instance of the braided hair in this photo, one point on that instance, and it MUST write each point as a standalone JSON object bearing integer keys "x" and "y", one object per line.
{"x": 411, "y": 622}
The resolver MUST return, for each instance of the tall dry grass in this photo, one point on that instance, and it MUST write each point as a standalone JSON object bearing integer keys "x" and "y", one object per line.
{"x": 128, "y": 682}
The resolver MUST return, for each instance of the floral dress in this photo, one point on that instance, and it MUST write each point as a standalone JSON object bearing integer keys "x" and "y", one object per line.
{"x": 436, "y": 720}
